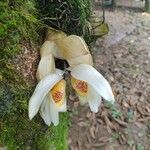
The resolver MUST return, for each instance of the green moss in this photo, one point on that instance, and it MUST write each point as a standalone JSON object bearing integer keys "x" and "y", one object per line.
{"x": 17, "y": 131}
{"x": 56, "y": 137}
{"x": 19, "y": 21}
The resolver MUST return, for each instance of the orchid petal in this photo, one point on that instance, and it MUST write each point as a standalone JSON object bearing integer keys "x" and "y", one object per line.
{"x": 45, "y": 111}
{"x": 45, "y": 67}
{"x": 94, "y": 99}
{"x": 49, "y": 111}
{"x": 86, "y": 59}
{"x": 41, "y": 90}
{"x": 49, "y": 47}
{"x": 72, "y": 46}
{"x": 90, "y": 75}
{"x": 54, "y": 110}
{"x": 54, "y": 113}
{"x": 63, "y": 107}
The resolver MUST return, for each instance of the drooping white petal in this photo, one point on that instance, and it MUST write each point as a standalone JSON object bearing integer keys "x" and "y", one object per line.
{"x": 90, "y": 75}
{"x": 45, "y": 110}
{"x": 94, "y": 99}
{"x": 46, "y": 66}
{"x": 63, "y": 107}
{"x": 50, "y": 112}
{"x": 54, "y": 113}
{"x": 41, "y": 90}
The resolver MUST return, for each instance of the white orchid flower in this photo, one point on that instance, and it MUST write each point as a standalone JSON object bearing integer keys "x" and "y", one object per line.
{"x": 90, "y": 85}
{"x": 49, "y": 97}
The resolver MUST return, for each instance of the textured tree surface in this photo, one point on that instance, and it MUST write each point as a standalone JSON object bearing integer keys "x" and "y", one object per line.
{"x": 23, "y": 24}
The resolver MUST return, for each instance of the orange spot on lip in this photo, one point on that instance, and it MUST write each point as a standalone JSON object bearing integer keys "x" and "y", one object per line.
{"x": 81, "y": 87}
{"x": 58, "y": 92}
{"x": 57, "y": 96}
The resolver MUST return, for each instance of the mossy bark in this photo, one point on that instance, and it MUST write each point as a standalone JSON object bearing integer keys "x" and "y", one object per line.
{"x": 19, "y": 21}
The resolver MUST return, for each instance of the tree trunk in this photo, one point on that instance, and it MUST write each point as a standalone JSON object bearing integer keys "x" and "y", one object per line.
{"x": 147, "y": 6}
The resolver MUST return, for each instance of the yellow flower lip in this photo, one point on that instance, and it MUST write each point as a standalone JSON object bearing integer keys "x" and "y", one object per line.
{"x": 81, "y": 87}
{"x": 58, "y": 92}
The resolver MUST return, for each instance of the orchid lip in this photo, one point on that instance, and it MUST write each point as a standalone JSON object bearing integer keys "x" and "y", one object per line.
{"x": 97, "y": 86}
{"x": 41, "y": 90}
